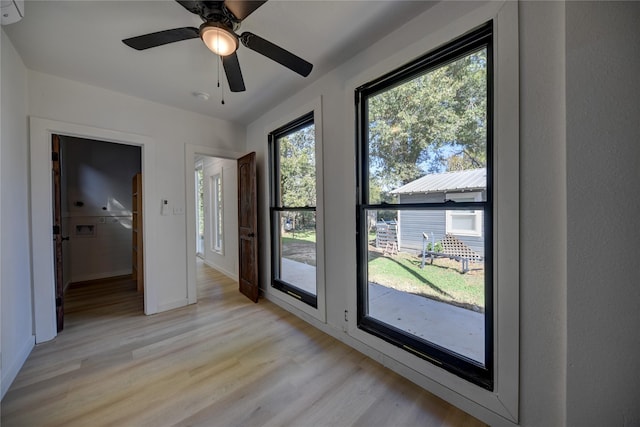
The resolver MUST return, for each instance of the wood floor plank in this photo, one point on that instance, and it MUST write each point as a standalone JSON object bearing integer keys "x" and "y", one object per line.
{"x": 222, "y": 362}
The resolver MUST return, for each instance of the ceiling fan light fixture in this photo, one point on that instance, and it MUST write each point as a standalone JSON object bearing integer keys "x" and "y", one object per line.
{"x": 218, "y": 38}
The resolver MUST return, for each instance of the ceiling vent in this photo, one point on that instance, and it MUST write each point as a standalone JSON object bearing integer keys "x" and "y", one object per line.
{"x": 11, "y": 11}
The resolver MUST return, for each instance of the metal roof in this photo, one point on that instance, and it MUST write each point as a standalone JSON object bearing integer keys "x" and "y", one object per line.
{"x": 472, "y": 179}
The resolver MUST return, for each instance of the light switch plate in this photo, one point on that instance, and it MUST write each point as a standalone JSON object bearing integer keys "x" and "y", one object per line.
{"x": 164, "y": 207}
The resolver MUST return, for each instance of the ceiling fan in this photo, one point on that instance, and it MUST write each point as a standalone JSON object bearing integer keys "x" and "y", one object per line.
{"x": 221, "y": 20}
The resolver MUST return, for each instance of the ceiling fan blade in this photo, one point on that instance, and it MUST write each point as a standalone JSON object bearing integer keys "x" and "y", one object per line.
{"x": 162, "y": 37}
{"x": 191, "y": 6}
{"x": 204, "y": 8}
{"x": 276, "y": 53}
{"x": 242, "y": 8}
{"x": 233, "y": 72}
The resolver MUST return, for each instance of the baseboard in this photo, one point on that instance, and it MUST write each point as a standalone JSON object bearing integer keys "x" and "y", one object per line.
{"x": 224, "y": 271}
{"x": 10, "y": 374}
{"x": 104, "y": 275}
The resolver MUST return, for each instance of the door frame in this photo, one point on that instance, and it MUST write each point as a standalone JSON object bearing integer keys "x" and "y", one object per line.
{"x": 41, "y": 131}
{"x": 190, "y": 152}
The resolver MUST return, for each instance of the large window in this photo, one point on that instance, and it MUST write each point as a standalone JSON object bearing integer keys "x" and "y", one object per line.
{"x": 217, "y": 209}
{"x": 292, "y": 150}
{"x": 199, "y": 177}
{"x": 425, "y": 207}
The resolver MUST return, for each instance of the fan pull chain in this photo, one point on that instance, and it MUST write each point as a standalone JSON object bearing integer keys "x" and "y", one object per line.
{"x": 222, "y": 88}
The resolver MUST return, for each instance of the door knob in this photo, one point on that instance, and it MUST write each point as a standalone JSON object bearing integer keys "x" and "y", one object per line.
{"x": 65, "y": 238}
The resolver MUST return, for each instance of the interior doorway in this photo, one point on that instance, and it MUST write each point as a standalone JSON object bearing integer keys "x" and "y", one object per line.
{"x": 96, "y": 197}
{"x": 218, "y": 215}
{"x": 216, "y": 218}
{"x": 40, "y": 134}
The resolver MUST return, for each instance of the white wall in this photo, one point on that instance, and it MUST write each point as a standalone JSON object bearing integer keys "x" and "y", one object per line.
{"x": 227, "y": 260}
{"x": 336, "y": 90}
{"x": 603, "y": 206}
{"x": 167, "y": 130}
{"x": 542, "y": 214}
{"x": 15, "y": 275}
{"x": 579, "y": 343}
{"x": 106, "y": 253}
{"x": 98, "y": 175}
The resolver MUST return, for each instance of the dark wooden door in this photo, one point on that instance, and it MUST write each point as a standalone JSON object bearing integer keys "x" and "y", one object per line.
{"x": 57, "y": 229}
{"x": 248, "y": 226}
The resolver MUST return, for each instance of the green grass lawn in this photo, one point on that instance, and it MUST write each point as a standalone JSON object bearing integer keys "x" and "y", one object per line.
{"x": 442, "y": 281}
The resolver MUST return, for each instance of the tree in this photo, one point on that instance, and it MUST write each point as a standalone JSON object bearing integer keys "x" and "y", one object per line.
{"x": 298, "y": 172}
{"x": 433, "y": 123}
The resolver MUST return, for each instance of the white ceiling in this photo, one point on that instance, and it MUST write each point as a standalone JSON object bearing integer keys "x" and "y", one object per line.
{"x": 81, "y": 40}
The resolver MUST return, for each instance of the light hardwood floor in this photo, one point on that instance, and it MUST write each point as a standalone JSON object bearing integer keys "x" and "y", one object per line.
{"x": 222, "y": 362}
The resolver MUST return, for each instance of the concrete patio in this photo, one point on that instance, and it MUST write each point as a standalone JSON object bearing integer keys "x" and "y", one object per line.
{"x": 455, "y": 328}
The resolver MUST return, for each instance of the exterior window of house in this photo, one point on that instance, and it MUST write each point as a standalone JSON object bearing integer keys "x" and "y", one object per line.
{"x": 217, "y": 223}
{"x": 464, "y": 222}
{"x": 292, "y": 150}
{"x": 425, "y": 203}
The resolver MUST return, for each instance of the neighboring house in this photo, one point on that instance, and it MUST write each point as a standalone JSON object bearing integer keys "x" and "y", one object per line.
{"x": 466, "y": 225}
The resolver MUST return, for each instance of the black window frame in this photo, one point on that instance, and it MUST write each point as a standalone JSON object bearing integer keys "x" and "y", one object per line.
{"x": 276, "y": 207}
{"x": 476, "y": 373}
